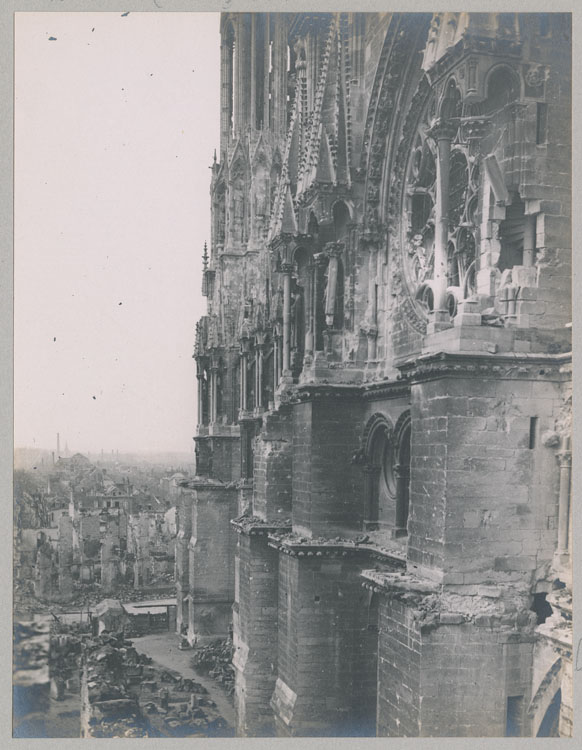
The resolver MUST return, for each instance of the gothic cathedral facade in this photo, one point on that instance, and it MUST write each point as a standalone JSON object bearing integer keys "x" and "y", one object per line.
{"x": 381, "y": 508}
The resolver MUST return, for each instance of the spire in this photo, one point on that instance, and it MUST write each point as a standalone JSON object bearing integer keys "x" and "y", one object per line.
{"x": 324, "y": 171}
{"x": 288, "y": 221}
{"x": 205, "y": 258}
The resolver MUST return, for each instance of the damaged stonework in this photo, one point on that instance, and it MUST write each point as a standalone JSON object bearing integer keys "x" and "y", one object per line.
{"x": 384, "y": 371}
{"x": 30, "y": 668}
{"x": 124, "y": 694}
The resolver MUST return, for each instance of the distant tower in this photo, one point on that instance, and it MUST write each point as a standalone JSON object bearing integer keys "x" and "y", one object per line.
{"x": 58, "y": 445}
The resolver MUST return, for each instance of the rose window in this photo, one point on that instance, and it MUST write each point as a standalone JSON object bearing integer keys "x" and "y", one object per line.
{"x": 419, "y": 219}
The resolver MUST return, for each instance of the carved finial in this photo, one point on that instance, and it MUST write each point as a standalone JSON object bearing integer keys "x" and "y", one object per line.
{"x": 205, "y": 258}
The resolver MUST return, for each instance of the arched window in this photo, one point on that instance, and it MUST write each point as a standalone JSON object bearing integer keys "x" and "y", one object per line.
{"x": 341, "y": 217}
{"x": 387, "y": 474}
{"x": 380, "y": 489}
{"x": 402, "y": 473}
{"x": 502, "y": 88}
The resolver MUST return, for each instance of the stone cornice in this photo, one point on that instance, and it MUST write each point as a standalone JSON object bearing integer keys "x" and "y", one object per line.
{"x": 388, "y": 389}
{"x": 317, "y": 391}
{"x": 400, "y": 582}
{"x": 208, "y": 436}
{"x": 254, "y": 526}
{"x": 369, "y": 391}
{"x": 290, "y": 544}
{"x": 505, "y": 366}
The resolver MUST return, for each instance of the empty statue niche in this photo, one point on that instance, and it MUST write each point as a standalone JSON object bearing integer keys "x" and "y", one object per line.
{"x": 220, "y": 390}
{"x": 251, "y": 377}
{"x": 268, "y": 375}
{"x": 300, "y": 312}
{"x": 204, "y": 386}
{"x": 341, "y": 219}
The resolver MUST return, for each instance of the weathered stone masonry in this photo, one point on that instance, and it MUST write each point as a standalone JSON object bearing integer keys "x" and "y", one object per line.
{"x": 382, "y": 499}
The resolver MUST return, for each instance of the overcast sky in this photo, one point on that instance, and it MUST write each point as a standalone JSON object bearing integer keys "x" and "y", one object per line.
{"x": 116, "y": 121}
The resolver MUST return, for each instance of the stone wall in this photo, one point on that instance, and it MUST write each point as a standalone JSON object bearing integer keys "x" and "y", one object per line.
{"x": 325, "y": 437}
{"x": 211, "y": 561}
{"x": 273, "y": 467}
{"x": 470, "y": 444}
{"x": 255, "y": 634}
{"x": 327, "y": 654}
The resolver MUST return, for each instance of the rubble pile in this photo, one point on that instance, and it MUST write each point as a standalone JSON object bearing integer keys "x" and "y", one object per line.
{"x": 30, "y": 671}
{"x": 127, "y": 695}
{"x": 216, "y": 661}
{"x": 30, "y": 645}
{"x": 109, "y": 707}
{"x": 64, "y": 654}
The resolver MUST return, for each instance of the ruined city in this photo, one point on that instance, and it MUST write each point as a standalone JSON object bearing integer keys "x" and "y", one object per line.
{"x": 373, "y": 537}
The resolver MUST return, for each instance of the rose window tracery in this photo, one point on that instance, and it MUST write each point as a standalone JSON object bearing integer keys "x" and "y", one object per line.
{"x": 419, "y": 218}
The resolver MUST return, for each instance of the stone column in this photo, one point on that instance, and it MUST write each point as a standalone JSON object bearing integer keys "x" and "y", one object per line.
{"x": 279, "y": 90}
{"x": 266, "y": 72}
{"x": 308, "y": 347}
{"x": 213, "y": 399}
{"x": 443, "y": 134}
{"x": 286, "y": 269}
{"x": 319, "y": 260}
{"x": 225, "y": 93}
{"x": 259, "y": 354}
{"x": 275, "y": 362}
{"x": 239, "y": 84}
{"x": 564, "y": 458}
{"x": 331, "y": 291}
{"x": 200, "y": 400}
{"x": 254, "y": 71}
{"x": 280, "y": 357}
{"x": 243, "y": 375}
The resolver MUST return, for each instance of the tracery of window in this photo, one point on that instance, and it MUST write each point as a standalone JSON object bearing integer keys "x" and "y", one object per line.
{"x": 382, "y": 487}
{"x": 419, "y": 218}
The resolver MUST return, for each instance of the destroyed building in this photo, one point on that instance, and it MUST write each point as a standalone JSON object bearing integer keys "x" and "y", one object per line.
{"x": 108, "y": 533}
{"x": 384, "y": 376}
